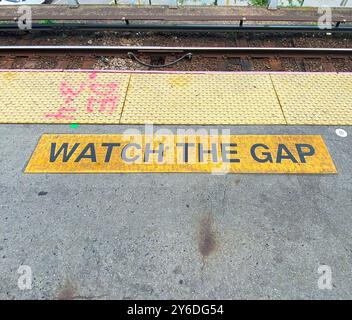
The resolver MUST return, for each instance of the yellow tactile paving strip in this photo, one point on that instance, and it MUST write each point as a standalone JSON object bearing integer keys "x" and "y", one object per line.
{"x": 202, "y": 99}
{"x": 62, "y": 97}
{"x": 175, "y": 98}
{"x": 324, "y": 99}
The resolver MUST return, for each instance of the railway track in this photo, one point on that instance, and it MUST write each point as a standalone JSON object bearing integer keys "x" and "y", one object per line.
{"x": 103, "y": 18}
{"x": 230, "y": 51}
{"x": 166, "y": 27}
{"x": 152, "y": 57}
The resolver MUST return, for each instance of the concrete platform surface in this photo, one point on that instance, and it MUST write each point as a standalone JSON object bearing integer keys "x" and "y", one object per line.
{"x": 173, "y": 236}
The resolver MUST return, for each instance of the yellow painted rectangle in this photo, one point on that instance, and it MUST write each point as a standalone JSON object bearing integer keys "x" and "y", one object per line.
{"x": 201, "y": 99}
{"x": 205, "y": 153}
{"x": 315, "y": 98}
{"x": 62, "y": 97}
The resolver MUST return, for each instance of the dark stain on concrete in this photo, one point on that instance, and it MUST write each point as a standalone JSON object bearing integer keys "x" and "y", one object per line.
{"x": 178, "y": 270}
{"x": 68, "y": 292}
{"x": 42, "y": 193}
{"x": 207, "y": 241}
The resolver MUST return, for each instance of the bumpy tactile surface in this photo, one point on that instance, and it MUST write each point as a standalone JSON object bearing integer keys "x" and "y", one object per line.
{"x": 315, "y": 99}
{"x": 169, "y": 98}
{"x": 202, "y": 99}
{"x": 62, "y": 97}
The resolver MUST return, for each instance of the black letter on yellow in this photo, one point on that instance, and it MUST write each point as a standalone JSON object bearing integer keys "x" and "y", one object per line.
{"x": 281, "y": 156}
{"x": 66, "y": 156}
{"x": 110, "y": 146}
{"x": 302, "y": 154}
{"x": 92, "y": 156}
{"x": 268, "y": 157}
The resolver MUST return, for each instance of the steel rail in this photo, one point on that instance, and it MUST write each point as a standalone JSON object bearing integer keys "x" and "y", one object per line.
{"x": 180, "y": 17}
{"x": 116, "y": 50}
{"x": 177, "y": 27}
